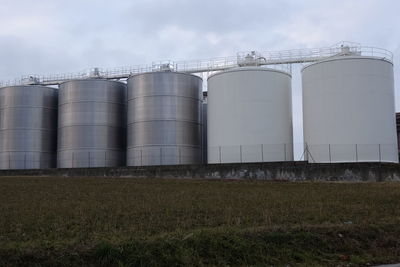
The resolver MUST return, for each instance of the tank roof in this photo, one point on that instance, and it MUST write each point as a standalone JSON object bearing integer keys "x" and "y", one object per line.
{"x": 346, "y": 58}
{"x": 92, "y": 79}
{"x": 249, "y": 69}
{"x": 30, "y": 86}
{"x": 157, "y": 72}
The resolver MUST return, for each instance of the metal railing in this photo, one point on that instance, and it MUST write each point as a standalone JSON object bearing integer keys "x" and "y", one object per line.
{"x": 281, "y": 60}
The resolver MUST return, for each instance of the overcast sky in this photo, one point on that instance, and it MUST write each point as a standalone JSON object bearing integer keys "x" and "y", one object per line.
{"x": 50, "y": 36}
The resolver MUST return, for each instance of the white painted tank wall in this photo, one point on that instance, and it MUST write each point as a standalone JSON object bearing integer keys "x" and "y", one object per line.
{"x": 349, "y": 111}
{"x": 249, "y": 116}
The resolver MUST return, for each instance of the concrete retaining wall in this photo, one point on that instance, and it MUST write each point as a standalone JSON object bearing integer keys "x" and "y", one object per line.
{"x": 280, "y": 171}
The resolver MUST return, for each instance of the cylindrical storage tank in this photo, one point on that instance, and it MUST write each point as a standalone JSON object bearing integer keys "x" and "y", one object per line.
{"x": 249, "y": 116}
{"x": 348, "y": 110}
{"x": 164, "y": 119}
{"x": 28, "y": 127}
{"x": 91, "y": 124}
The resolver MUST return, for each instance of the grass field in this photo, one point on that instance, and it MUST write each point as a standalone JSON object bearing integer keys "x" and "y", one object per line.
{"x": 166, "y": 222}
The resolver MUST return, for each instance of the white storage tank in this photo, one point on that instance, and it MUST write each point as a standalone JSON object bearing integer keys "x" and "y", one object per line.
{"x": 349, "y": 110}
{"x": 249, "y": 116}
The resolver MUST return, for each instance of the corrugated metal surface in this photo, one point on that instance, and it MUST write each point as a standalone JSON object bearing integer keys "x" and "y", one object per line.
{"x": 164, "y": 119}
{"x": 348, "y": 110}
{"x": 249, "y": 116}
{"x": 28, "y": 127}
{"x": 92, "y": 124}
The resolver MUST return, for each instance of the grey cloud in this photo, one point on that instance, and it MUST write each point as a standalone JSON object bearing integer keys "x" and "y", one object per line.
{"x": 218, "y": 16}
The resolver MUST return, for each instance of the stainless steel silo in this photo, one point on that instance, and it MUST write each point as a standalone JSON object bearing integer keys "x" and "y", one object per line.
{"x": 91, "y": 123}
{"x": 28, "y": 127}
{"x": 164, "y": 119}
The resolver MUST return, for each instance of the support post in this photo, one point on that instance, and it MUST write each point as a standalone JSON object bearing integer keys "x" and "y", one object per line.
{"x": 285, "y": 151}
{"x": 330, "y": 156}
{"x": 356, "y": 153}
{"x": 262, "y": 152}
{"x": 380, "y": 156}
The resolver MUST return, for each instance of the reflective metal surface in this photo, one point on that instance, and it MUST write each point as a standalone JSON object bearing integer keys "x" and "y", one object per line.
{"x": 28, "y": 127}
{"x": 91, "y": 124}
{"x": 164, "y": 119}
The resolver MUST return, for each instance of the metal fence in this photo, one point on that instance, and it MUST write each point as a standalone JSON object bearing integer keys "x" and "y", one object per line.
{"x": 164, "y": 155}
{"x": 91, "y": 159}
{"x": 250, "y": 153}
{"x": 27, "y": 160}
{"x": 327, "y": 153}
{"x": 331, "y": 153}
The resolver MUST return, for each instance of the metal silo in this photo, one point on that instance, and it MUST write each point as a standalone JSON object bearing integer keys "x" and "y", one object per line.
{"x": 249, "y": 116}
{"x": 164, "y": 119}
{"x": 348, "y": 110}
{"x": 28, "y": 127}
{"x": 91, "y": 123}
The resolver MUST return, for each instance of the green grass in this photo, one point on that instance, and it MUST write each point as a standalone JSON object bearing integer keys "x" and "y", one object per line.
{"x": 128, "y": 222}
